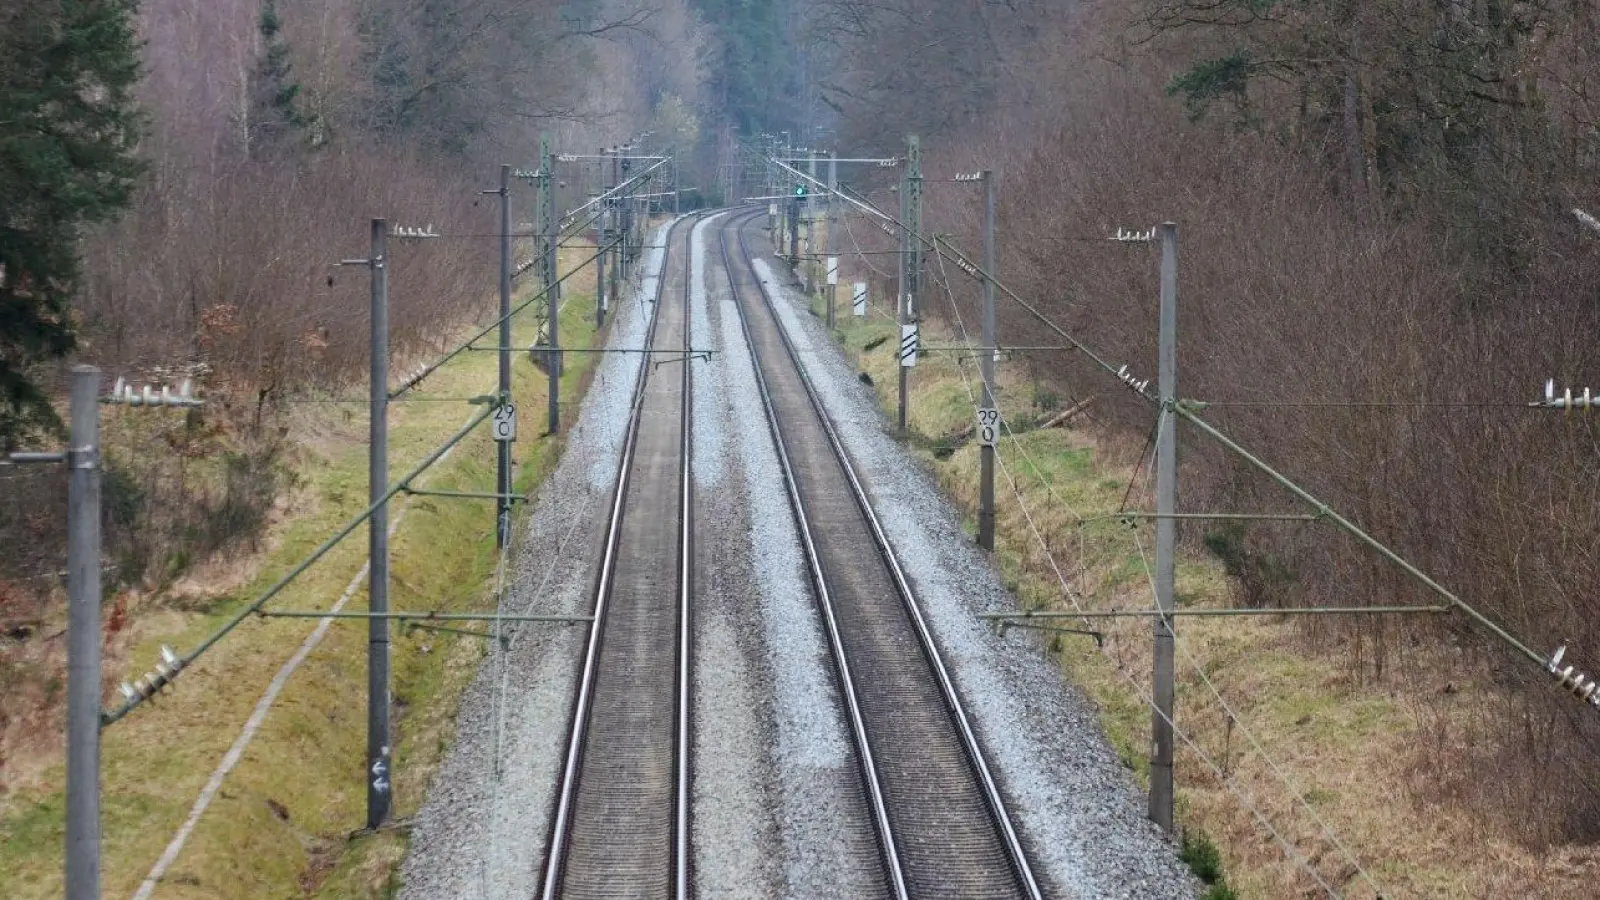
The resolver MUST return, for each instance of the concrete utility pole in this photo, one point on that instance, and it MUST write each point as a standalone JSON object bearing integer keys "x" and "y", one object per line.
{"x": 602, "y": 224}
{"x": 900, "y": 303}
{"x": 811, "y": 227}
{"x": 618, "y": 223}
{"x": 1161, "y": 757}
{"x": 613, "y": 222}
{"x": 832, "y": 236}
{"x": 83, "y": 639}
{"x": 503, "y": 448}
{"x": 552, "y": 233}
{"x": 910, "y": 266}
{"x": 794, "y": 231}
{"x": 600, "y": 272}
{"x": 988, "y": 411}
{"x": 380, "y": 778}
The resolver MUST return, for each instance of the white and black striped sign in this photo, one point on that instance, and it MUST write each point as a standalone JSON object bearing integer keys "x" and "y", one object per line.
{"x": 858, "y": 300}
{"x": 908, "y": 345}
{"x": 833, "y": 270}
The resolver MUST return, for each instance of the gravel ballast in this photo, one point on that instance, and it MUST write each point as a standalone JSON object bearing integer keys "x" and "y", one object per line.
{"x": 1080, "y": 814}
{"x": 481, "y": 834}
{"x": 755, "y": 594}
{"x": 777, "y": 809}
{"x": 733, "y": 827}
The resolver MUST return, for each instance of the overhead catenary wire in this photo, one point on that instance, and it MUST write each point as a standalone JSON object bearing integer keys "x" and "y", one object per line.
{"x": 111, "y": 716}
{"x": 1250, "y": 736}
{"x": 1222, "y": 775}
{"x": 1188, "y": 412}
{"x": 943, "y": 281}
{"x": 1228, "y": 710}
{"x": 397, "y": 487}
{"x": 1363, "y": 404}
{"x": 1249, "y": 803}
{"x": 411, "y": 383}
{"x": 944, "y": 248}
{"x": 875, "y": 309}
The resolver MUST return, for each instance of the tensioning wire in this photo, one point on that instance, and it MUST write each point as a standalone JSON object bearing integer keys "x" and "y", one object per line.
{"x": 1155, "y": 437}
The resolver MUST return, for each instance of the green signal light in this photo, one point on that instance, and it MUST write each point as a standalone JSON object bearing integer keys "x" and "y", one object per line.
{"x": 799, "y": 190}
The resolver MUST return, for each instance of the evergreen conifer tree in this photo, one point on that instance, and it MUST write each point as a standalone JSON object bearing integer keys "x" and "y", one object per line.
{"x": 68, "y": 133}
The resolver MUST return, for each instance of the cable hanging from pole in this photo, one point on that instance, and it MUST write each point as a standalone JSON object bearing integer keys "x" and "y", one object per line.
{"x": 1149, "y": 700}
{"x": 943, "y": 280}
{"x": 1187, "y": 410}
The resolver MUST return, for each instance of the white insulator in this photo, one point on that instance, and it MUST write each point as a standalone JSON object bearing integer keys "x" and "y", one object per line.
{"x": 1555, "y": 658}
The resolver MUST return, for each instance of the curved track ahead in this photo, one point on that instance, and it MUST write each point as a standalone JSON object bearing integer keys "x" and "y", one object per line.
{"x": 621, "y": 817}
{"x": 941, "y": 820}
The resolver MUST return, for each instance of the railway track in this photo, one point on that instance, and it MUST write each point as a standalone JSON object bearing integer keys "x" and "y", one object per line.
{"x": 621, "y": 818}
{"x": 621, "y": 821}
{"x": 941, "y": 821}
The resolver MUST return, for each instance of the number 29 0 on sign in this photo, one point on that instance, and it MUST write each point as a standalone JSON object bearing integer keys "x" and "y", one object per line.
{"x": 988, "y": 425}
{"x": 504, "y": 422}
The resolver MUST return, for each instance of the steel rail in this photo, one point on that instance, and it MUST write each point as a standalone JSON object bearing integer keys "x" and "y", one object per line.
{"x": 967, "y": 734}
{"x": 561, "y": 825}
{"x": 681, "y": 856}
{"x": 858, "y": 727}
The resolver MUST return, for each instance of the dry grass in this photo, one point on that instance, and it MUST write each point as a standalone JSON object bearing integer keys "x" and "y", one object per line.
{"x": 282, "y": 823}
{"x": 1364, "y": 753}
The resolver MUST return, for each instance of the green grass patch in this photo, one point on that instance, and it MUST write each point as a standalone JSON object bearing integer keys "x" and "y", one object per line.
{"x": 1205, "y": 861}
{"x": 282, "y": 823}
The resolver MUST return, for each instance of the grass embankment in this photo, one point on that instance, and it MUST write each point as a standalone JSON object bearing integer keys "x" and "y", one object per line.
{"x": 282, "y": 823}
{"x": 1364, "y": 756}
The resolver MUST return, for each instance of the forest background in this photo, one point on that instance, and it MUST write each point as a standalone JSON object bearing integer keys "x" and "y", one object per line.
{"x": 1376, "y": 199}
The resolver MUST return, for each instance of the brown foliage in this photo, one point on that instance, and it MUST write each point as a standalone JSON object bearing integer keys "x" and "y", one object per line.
{"x": 1293, "y": 294}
